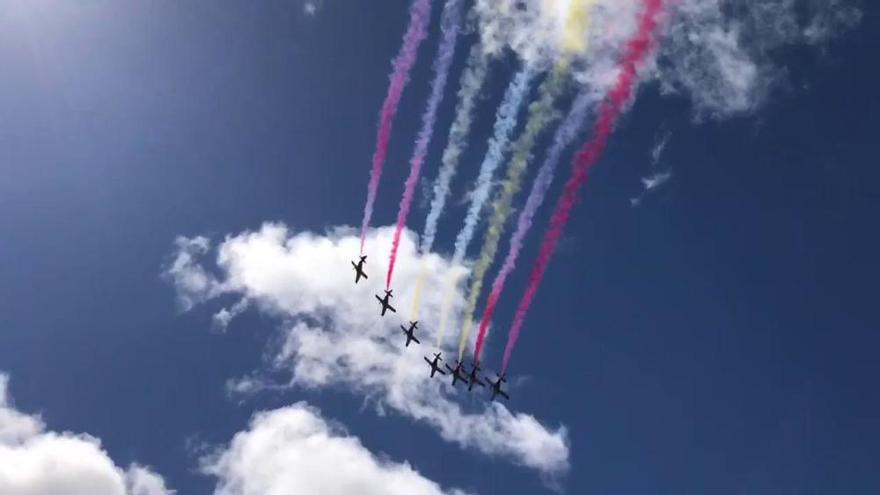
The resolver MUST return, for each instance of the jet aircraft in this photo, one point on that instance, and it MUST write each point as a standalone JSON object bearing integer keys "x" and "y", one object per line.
{"x": 495, "y": 387}
{"x": 435, "y": 367}
{"x": 473, "y": 379}
{"x": 409, "y": 333}
{"x": 457, "y": 373}
{"x": 359, "y": 269}
{"x": 384, "y": 302}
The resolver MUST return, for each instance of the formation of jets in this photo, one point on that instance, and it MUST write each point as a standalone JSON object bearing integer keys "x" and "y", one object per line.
{"x": 470, "y": 379}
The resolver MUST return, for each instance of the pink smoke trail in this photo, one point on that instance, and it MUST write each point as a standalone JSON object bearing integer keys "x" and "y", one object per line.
{"x": 419, "y": 15}
{"x": 449, "y": 26}
{"x": 636, "y": 50}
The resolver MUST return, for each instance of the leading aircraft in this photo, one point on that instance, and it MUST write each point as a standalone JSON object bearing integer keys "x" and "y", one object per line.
{"x": 409, "y": 333}
{"x": 435, "y": 368}
{"x": 384, "y": 302}
{"x": 496, "y": 387}
{"x": 359, "y": 269}
{"x": 457, "y": 373}
{"x": 473, "y": 379}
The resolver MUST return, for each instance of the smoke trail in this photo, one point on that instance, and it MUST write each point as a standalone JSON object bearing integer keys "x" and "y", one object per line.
{"x": 417, "y": 295}
{"x": 505, "y": 121}
{"x": 636, "y": 50}
{"x": 564, "y": 136}
{"x": 419, "y": 15}
{"x": 576, "y": 27}
{"x": 450, "y": 24}
{"x": 472, "y": 80}
{"x": 444, "y": 314}
{"x": 541, "y": 114}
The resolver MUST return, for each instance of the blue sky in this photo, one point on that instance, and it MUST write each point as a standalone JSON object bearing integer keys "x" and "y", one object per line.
{"x": 719, "y": 337}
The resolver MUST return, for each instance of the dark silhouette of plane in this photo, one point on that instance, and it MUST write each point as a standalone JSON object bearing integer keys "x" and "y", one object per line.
{"x": 473, "y": 379}
{"x": 496, "y": 387}
{"x": 359, "y": 269}
{"x": 435, "y": 368}
{"x": 457, "y": 373}
{"x": 409, "y": 333}
{"x": 384, "y": 302}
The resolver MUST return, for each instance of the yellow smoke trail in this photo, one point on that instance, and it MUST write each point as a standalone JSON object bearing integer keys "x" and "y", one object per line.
{"x": 576, "y": 25}
{"x": 541, "y": 113}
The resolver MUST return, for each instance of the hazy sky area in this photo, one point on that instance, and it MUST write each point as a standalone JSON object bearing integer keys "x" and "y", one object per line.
{"x": 181, "y": 191}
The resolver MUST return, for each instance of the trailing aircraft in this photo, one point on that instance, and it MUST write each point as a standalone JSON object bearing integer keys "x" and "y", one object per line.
{"x": 495, "y": 387}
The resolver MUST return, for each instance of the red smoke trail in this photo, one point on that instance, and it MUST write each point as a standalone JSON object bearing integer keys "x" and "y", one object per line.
{"x": 636, "y": 50}
{"x": 419, "y": 15}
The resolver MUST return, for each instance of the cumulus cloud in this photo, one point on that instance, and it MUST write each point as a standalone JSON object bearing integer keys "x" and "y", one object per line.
{"x": 294, "y": 450}
{"x": 333, "y": 336}
{"x": 34, "y": 461}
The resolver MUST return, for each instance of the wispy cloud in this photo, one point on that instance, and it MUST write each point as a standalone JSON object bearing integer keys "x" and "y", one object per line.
{"x": 721, "y": 55}
{"x": 724, "y": 58}
{"x": 311, "y": 7}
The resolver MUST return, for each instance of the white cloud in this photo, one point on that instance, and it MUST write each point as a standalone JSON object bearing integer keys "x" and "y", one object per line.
{"x": 334, "y": 336}
{"x": 293, "y": 450}
{"x": 193, "y": 284}
{"x": 34, "y": 461}
{"x": 721, "y": 53}
{"x": 659, "y": 147}
{"x": 656, "y": 180}
{"x": 718, "y": 53}
{"x": 829, "y": 18}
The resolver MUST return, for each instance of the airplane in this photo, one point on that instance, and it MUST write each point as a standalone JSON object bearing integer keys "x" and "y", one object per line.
{"x": 496, "y": 387}
{"x": 385, "y": 304}
{"x": 473, "y": 379}
{"x": 435, "y": 368}
{"x": 457, "y": 373}
{"x": 409, "y": 333}
{"x": 359, "y": 269}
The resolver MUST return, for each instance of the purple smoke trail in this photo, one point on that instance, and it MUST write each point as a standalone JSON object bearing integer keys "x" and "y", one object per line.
{"x": 419, "y": 15}
{"x": 564, "y": 136}
{"x": 450, "y": 23}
